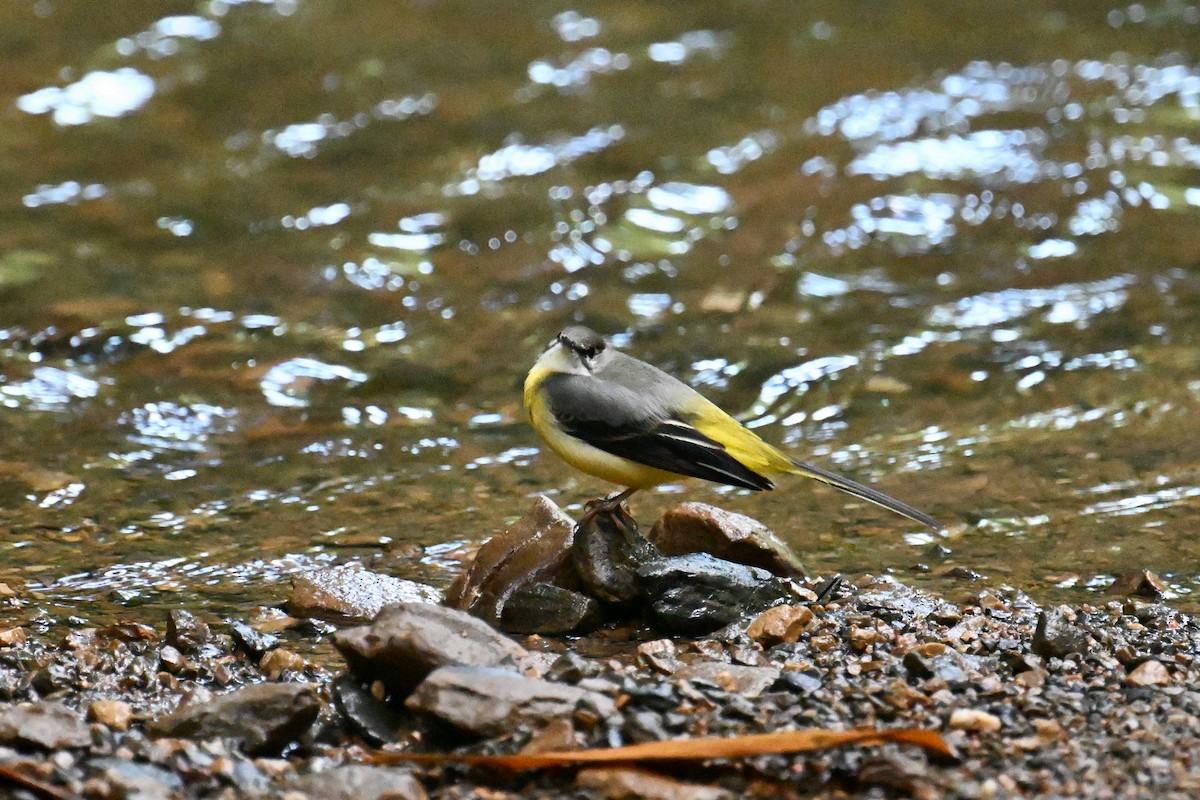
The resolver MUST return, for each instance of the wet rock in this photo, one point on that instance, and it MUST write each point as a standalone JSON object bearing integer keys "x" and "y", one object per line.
{"x": 1139, "y": 582}
{"x": 628, "y": 783}
{"x": 534, "y": 549}
{"x": 366, "y": 715}
{"x": 607, "y": 553}
{"x": 115, "y": 714}
{"x": 45, "y": 724}
{"x": 893, "y": 601}
{"x": 350, "y": 595}
{"x": 263, "y": 719}
{"x": 745, "y": 681}
{"x": 184, "y": 632}
{"x": 1057, "y": 635}
{"x": 1149, "y": 673}
{"x": 361, "y": 782}
{"x": 780, "y": 625}
{"x": 251, "y": 642}
{"x": 491, "y": 701}
{"x": 701, "y": 528}
{"x": 12, "y": 637}
{"x": 698, "y": 593}
{"x": 278, "y": 661}
{"x": 407, "y": 642}
{"x": 972, "y": 719}
{"x": 546, "y": 608}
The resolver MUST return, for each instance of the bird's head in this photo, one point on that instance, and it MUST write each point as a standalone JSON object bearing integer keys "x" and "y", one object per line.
{"x": 576, "y": 350}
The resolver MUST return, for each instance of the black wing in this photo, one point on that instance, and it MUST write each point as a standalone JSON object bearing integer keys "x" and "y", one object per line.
{"x": 617, "y": 421}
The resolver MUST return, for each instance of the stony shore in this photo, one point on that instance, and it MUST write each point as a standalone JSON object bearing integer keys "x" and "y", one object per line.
{"x": 1088, "y": 701}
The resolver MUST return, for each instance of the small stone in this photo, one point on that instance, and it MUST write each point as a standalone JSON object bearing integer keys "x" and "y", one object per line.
{"x": 745, "y": 681}
{"x": 1057, "y": 635}
{"x": 12, "y": 637}
{"x": 171, "y": 659}
{"x": 971, "y": 719}
{"x": 1149, "y": 673}
{"x": 278, "y": 661}
{"x": 266, "y": 619}
{"x": 45, "y": 724}
{"x": 893, "y": 601}
{"x": 628, "y": 783}
{"x": 701, "y": 528}
{"x": 250, "y": 641}
{"x": 136, "y": 781}
{"x": 184, "y": 632}
{"x": 264, "y": 718}
{"x": 352, "y": 595}
{"x": 781, "y": 625}
{"x": 361, "y": 782}
{"x": 491, "y": 701}
{"x": 115, "y": 714}
{"x": 1140, "y": 582}
{"x": 406, "y": 642}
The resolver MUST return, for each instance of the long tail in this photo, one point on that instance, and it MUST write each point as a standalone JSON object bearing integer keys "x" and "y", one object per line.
{"x": 866, "y": 493}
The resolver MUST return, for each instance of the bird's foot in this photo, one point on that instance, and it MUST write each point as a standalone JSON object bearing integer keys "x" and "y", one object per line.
{"x": 613, "y": 504}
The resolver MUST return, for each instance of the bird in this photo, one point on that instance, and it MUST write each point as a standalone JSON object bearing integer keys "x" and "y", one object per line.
{"x": 621, "y": 419}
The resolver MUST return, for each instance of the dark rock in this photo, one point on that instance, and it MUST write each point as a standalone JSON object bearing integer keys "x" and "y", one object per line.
{"x": 351, "y": 595}
{"x": 490, "y": 702}
{"x": 701, "y": 528}
{"x": 698, "y": 593}
{"x": 1139, "y": 582}
{"x": 1057, "y": 635}
{"x": 263, "y": 719}
{"x": 407, "y": 642}
{"x": 534, "y": 549}
{"x": 361, "y": 782}
{"x": 45, "y": 724}
{"x": 892, "y": 601}
{"x": 184, "y": 632}
{"x": 546, "y": 608}
{"x": 251, "y": 642}
{"x": 365, "y": 714}
{"x": 607, "y": 553}
{"x": 746, "y": 681}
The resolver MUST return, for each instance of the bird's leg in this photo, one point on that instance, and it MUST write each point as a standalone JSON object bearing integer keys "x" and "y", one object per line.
{"x": 613, "y": 502}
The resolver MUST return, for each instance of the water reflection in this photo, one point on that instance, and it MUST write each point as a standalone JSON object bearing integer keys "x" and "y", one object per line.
{"x": 96, "y": 94}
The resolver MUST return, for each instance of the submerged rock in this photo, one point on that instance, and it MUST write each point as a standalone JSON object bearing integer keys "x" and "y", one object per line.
{"x": 491, "y": 701}
{"x": 407, "y": 642}
{"x": 607, "y": 553}
{"x": 48, "y": 725}
{"x": 1139, "y": 582}
{"x": 351, "y": 595}
{"x": 534, "y": 549}
{"x": 701, "y": 528}
{"x": 698, "y": 593}
{"x": 263, "y": 719}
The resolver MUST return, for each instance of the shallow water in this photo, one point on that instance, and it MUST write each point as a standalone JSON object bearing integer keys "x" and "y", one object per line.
{"x": 271, "y": 274}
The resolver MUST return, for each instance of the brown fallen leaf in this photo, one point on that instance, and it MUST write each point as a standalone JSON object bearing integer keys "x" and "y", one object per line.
{"x": 699, "y": 749}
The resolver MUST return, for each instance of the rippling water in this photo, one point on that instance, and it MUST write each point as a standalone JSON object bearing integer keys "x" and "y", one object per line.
{"x": 271, "y": 274}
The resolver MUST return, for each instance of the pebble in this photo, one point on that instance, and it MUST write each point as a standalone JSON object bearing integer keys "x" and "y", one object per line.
{"x": 745, "y": 681}
{"x": 1149, "y": 673}
{"x": 629, "y": 783}
{"x": 360, "y": 782}
{"x": 1057, "y": 635}
{"x": 970, "y": 719}
{"x": 263, "y": 719}
{"x": 780, "y": 625}
{"x": 115, "y": 714}
{"x": 278, "y": 661}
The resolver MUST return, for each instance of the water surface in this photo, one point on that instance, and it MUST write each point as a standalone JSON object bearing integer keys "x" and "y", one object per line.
{"x": 271, "y": 274}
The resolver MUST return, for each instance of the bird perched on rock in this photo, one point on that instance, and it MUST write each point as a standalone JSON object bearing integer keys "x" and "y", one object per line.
{"x": 623, "y": 420}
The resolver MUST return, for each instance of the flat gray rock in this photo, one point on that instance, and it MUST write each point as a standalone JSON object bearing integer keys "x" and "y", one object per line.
{"x": 263, "y": 719}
